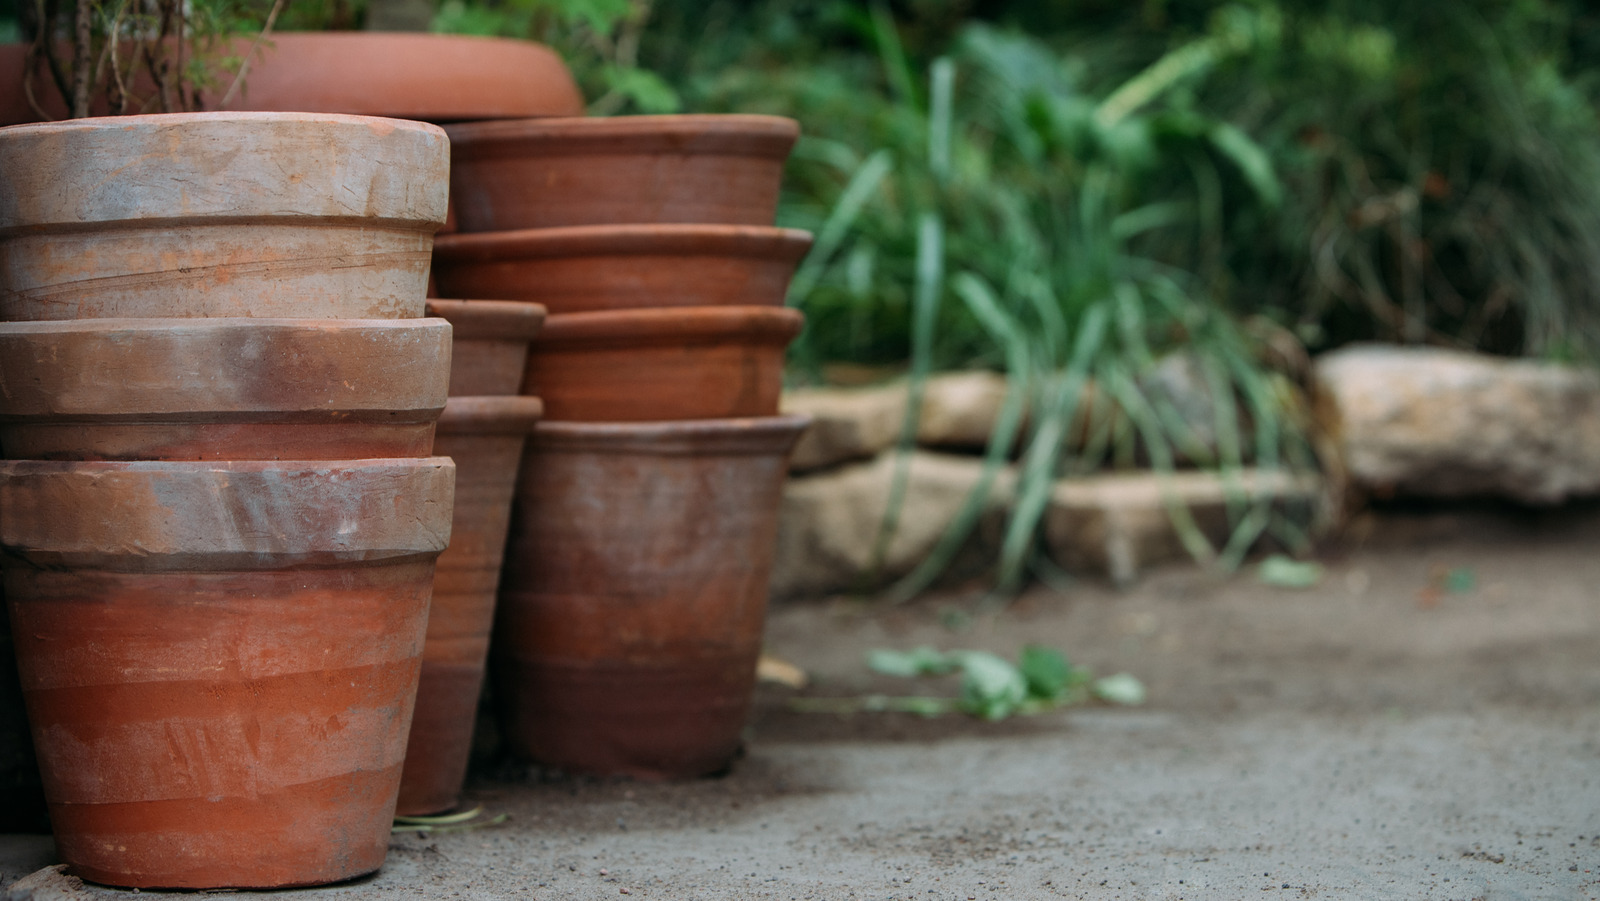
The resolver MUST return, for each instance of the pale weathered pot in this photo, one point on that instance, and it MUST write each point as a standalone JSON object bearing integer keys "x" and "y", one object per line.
{"x": 634, "y": 592}
{"x": 220, "y": 659}
{"x": 485, "y": 436}
{"x": 667, "y": 364}
{"x": 547, "y": 173}
{"x": 221, "y": 389}
{"x": 491, "y": 343}
{"x": 612, "y": 267}
{"x": 286, "y": 215}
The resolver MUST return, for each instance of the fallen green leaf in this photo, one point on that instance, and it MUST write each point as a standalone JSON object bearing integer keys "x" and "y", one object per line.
{"x": 922, "y": 661}
{"x": 1122, "y": 688}
{"x": 1285, "y": 572}
{"x": 1047, "y": 671}
{"x": 991, "y": 687}
{"x": 1460, "y": 581}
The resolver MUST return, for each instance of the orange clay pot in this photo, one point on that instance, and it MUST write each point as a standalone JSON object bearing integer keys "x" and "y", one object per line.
{"x": 491, "y": 343}
{"x": 613, "y": 267}
{"x": 228, "y": 389}
{"x": 430, "y": 77}
{"x": 219, "y": 660}
{"x": 286, "y": 215}
{"x": 634, "y": 592}
{"x": 548, "y": 173}
{"x": 484, "y": 435}
{"x": 645, "y": 365}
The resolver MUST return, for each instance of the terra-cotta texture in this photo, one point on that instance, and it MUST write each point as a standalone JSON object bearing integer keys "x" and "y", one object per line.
{"x": 547, "y": 173}
{"x": 221, "y": 389}
{"x": 674, "y": 363}
{"x": 219, "y": 660}
{"x": 288, "y": 215}
{"x": 491, "y": 343}
{"x": 610, "y": 267}
{"x": 634, "y": 592}
{"x": 484, "y": 435}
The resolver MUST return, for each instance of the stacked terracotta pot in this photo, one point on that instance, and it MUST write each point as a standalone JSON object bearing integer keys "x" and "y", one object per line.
{"x": 634, "y": 587}
{"x": 219, "y": 511}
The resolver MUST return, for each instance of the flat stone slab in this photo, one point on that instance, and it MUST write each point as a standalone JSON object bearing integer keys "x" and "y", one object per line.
{"x": 1433, "y": 423}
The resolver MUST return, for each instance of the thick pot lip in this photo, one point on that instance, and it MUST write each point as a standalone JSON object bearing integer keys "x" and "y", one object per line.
{"x": 672, "y": 326}
{"x": 157, "y": 516}
{"x": 154, "y": 121}
{"x": 508, "y": 414}
{"x": 786, "y": 245}
{"x": 742, "y": 134}
{"x": 747, "y": 436}
{"x": 507, "y": 320}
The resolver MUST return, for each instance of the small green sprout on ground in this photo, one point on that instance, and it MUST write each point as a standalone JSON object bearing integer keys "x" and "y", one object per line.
{"x": 992, "y": 688}
{"x": 464, "y": 821}
{"x": 1287, "y": 572}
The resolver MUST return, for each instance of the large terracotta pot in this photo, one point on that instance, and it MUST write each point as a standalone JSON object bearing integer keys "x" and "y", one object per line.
{"x": 676, "y": 363}
{"x": 285, "y": 215}
{"x": 430, "y": 77}
{"x": 491, "y": 343}
{"x": 634, "y": 592}
{"x": 220, "y": 659}
{"x": 611, "y": 267}
{"x": 547, "y": 173}
{"x": 221, "y": 389}
{"x": 485, "y": 436}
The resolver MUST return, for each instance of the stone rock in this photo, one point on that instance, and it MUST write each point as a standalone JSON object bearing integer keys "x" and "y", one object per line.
{"x": 829, "y": 521}
{"x": 1118, "y": 523}
{"x": 846, "y": 423}
{"x": 959, "y": 409}
{"x": 1427, "y": 422}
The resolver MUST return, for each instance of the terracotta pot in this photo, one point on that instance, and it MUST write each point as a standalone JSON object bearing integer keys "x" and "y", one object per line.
{"x": 612, "y": 267}
{"x": 429, "y": 77}
{"x": 285, "y": 215}
{"x": 484, "y": 435}
{"x": 547, "y": 173}
{"x": 634, "y": 592}
{"x": 491, "y": 343}
{"x": 229, "y": 389}
{"x": 220, "y": 659}
{"x": 648, "y": 365}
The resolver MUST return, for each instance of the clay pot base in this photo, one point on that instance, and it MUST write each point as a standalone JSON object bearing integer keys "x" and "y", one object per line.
{"x": 485, "y": 436}
{"x": 221, "y": 389}
{"x": 635, "y": 590}
{"x": 219, "y": 214}
{"x": 662, "y": 364}
{"x": 550, "y": 173}
{"x": 614, "y": 267}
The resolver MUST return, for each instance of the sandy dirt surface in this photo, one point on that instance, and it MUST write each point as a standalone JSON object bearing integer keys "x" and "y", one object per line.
{"x": 1423, "y": 724}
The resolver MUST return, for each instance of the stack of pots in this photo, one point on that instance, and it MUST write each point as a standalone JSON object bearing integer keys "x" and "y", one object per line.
{"x": 219, "y": 508}
{"x": 635, "y": 581}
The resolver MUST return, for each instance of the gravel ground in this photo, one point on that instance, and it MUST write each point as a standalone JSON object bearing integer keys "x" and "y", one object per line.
{"x": 1422, "y": 724}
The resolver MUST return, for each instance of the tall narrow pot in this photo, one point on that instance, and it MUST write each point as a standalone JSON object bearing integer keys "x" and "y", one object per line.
{"x": 548, "y": 173}
{"x": 289, "y": 215}
{"x": 586, "y": 269}
{"x": 667, "y": 364}
{"x": 219, "y": 660}
{"x": 485, "y": 437}
{"x": 634, "y": 592}
{"x": 221, "y": 389}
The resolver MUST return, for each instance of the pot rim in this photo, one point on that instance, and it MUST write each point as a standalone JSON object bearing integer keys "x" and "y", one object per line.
{"x": 742, "y": 134}
{"x": 787, "y": 245}
{"x": 156, "y": 516}
{"x": 673, "y": 326}
{"x": 508, "y": 320}
{"x": 746, "y": 436}
{"x": 507, "y": 414}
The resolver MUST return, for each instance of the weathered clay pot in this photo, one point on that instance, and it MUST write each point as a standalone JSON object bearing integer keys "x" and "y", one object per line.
{"x": 219, "y": 660}
{"x": 634, "y": 592}
{"x": 221, "y": 389}
{"x": 285, "y": 215}
{"x": 547, "y": 173}
{"x": 612, "y": 267}
{"x": 491, "y": 343}
{"x": 484, "y": 435}
{"x": 667, "y": 364}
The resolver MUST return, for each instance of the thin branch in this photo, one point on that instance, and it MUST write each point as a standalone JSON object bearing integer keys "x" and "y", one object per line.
{"x": 244, "y": 67}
